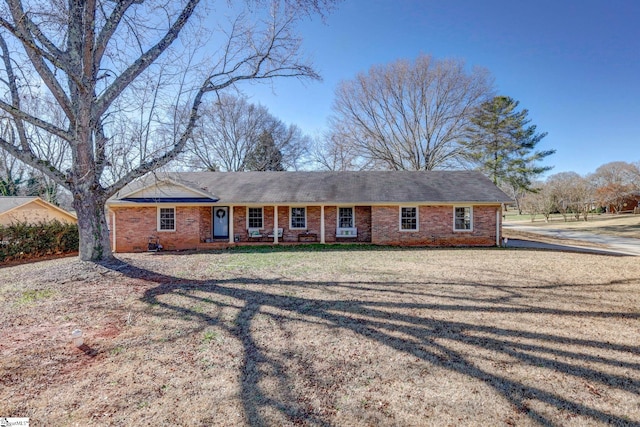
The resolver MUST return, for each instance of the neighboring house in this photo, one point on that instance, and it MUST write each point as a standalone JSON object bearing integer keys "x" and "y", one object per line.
{"x": 629, "y": 205}
{"x": 191, "y": 210}
{"x": 31, "y": 210}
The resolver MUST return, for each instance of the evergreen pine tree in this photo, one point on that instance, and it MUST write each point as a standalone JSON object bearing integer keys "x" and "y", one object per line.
{"x": 265, "y": 155}
{"x": 10, "y": 184}
{"x": 503, "y": 144}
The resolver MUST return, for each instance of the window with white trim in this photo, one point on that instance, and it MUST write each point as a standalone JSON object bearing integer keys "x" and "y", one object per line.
{"x": 298, "y": 218}
{"x": 408, "y": 218}
{"x": 463, "y": 218}
{"x": 345, "y": 218}
{"x": 254, "y": 218}
{"x": 166, "y": 219}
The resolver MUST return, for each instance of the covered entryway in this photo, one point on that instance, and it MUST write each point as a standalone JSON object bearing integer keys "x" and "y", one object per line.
{"x": 221, "y": 222}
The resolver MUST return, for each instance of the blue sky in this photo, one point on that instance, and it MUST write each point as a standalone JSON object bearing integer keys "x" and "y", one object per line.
{"x": 574, "y": 64}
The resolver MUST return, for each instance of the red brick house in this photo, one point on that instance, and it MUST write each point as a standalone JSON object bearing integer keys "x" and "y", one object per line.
{"x": 195, "y": 210}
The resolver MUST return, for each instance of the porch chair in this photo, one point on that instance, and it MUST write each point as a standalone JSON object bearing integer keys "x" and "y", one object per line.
{"x": 254, "y": 233}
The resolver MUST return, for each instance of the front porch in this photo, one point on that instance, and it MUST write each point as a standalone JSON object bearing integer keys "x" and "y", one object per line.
{"x": 258, "y": 224}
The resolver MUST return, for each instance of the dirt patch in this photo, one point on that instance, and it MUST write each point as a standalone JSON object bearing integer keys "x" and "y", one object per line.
{"x": 15, "y": 262}
{"x": 296, "y": 337}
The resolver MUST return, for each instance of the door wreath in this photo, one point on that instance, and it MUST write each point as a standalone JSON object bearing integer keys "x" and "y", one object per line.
{"x": 220, "y": 213}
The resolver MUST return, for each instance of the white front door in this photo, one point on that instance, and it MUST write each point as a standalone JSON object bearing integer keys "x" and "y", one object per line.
{"x": 220, "y": 222}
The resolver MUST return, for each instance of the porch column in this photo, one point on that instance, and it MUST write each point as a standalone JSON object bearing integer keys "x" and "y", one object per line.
{"x": 322, "y": 224}
{"x": 498, "y": 218}
{"x": 113, "y": 230}
{"x": 275, "y": 225}
{"x": 231, "y": 236}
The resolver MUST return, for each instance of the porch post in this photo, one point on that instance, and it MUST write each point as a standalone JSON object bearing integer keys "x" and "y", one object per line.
{"x": 113, "y": 231}
{"x": 275, "y": 225}
{"x": 231, "y": 236}
{"x": 498, "y": 215}
{"x": 322, "y": 224}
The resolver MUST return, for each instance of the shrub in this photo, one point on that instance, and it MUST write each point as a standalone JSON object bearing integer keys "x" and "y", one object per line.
{"x": 26, "y": 241}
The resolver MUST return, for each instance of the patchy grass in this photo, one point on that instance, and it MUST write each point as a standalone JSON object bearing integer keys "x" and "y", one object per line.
{"x": 344, "y": 336}
{"x": 31, "y": 296}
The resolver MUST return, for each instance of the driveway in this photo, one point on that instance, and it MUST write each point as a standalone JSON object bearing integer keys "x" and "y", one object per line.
{"x": 613, "y": 244}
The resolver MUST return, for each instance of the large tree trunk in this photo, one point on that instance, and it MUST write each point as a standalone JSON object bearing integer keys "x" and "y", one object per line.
{"x": 92, "y": 226}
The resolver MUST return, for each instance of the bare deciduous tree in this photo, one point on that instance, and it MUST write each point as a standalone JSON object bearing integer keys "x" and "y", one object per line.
{"x": 11, "y": 169}
{"x": 229, "y": 130}
{"x": 226, "y": 133}
{"x": 614, "y": 183}
{"x": 24, "y": 179}
{"x": 333, "y": 154}
{"x": 541, "y": 201}
{"x": 93, "y": 57}
{"x": 410, "y": 115}
{"x": 333, "y": 151}
{"x": 572, "y": 193}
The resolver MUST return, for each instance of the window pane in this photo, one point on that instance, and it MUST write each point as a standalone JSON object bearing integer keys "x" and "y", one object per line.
{"x": 345, "y": 217}
{"x": 255, "y": 217}
{"x": 409, "y": 218}
{"x": 298, "y": 218}
{"x": 167, "y": 219}
{"x": 463, "y": 219}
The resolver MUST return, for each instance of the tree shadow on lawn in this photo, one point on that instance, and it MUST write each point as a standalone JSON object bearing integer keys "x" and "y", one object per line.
{"x": 421, "y": 337}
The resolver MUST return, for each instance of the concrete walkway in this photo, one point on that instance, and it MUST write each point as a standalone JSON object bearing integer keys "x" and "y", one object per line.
{"x": 613, "y": 244}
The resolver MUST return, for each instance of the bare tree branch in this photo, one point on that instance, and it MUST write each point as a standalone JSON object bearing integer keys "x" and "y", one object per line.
{"x": 409, "y": 115}
{"x": 37, "y": 56}
{"x": 144, "y": 61}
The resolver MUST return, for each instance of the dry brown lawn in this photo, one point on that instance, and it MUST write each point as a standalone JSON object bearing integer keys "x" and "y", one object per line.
{"x": 623, "y": 225}
{"x": 346, "y": 336}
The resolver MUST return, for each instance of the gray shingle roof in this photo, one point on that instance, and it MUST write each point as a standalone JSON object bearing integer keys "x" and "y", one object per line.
{"x": 10, "y": 202}
{"x": 334, "y": 187}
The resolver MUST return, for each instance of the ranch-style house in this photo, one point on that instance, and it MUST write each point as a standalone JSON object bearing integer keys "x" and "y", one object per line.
{"x": 200, "y": 210}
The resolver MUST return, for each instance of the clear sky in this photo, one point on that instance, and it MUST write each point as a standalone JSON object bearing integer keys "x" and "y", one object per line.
{"x": 574, "y": 64}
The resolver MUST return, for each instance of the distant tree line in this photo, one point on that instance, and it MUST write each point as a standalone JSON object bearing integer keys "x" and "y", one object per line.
{"x": 610, "y": 188}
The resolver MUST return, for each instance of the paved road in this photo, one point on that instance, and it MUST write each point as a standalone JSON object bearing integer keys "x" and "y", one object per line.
{"x": 620, "y": 245}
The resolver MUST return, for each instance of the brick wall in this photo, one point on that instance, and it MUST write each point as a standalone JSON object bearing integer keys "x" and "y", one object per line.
{"x": 134, "y": 226}
{"x": 313, "y": 220}
{"x": 435, "y": 227}
{"x": 362, "y": 223}
{"x": 289, "y": 235}
{"x": 206, "y": 223}
{"x": 378, "y": 224}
